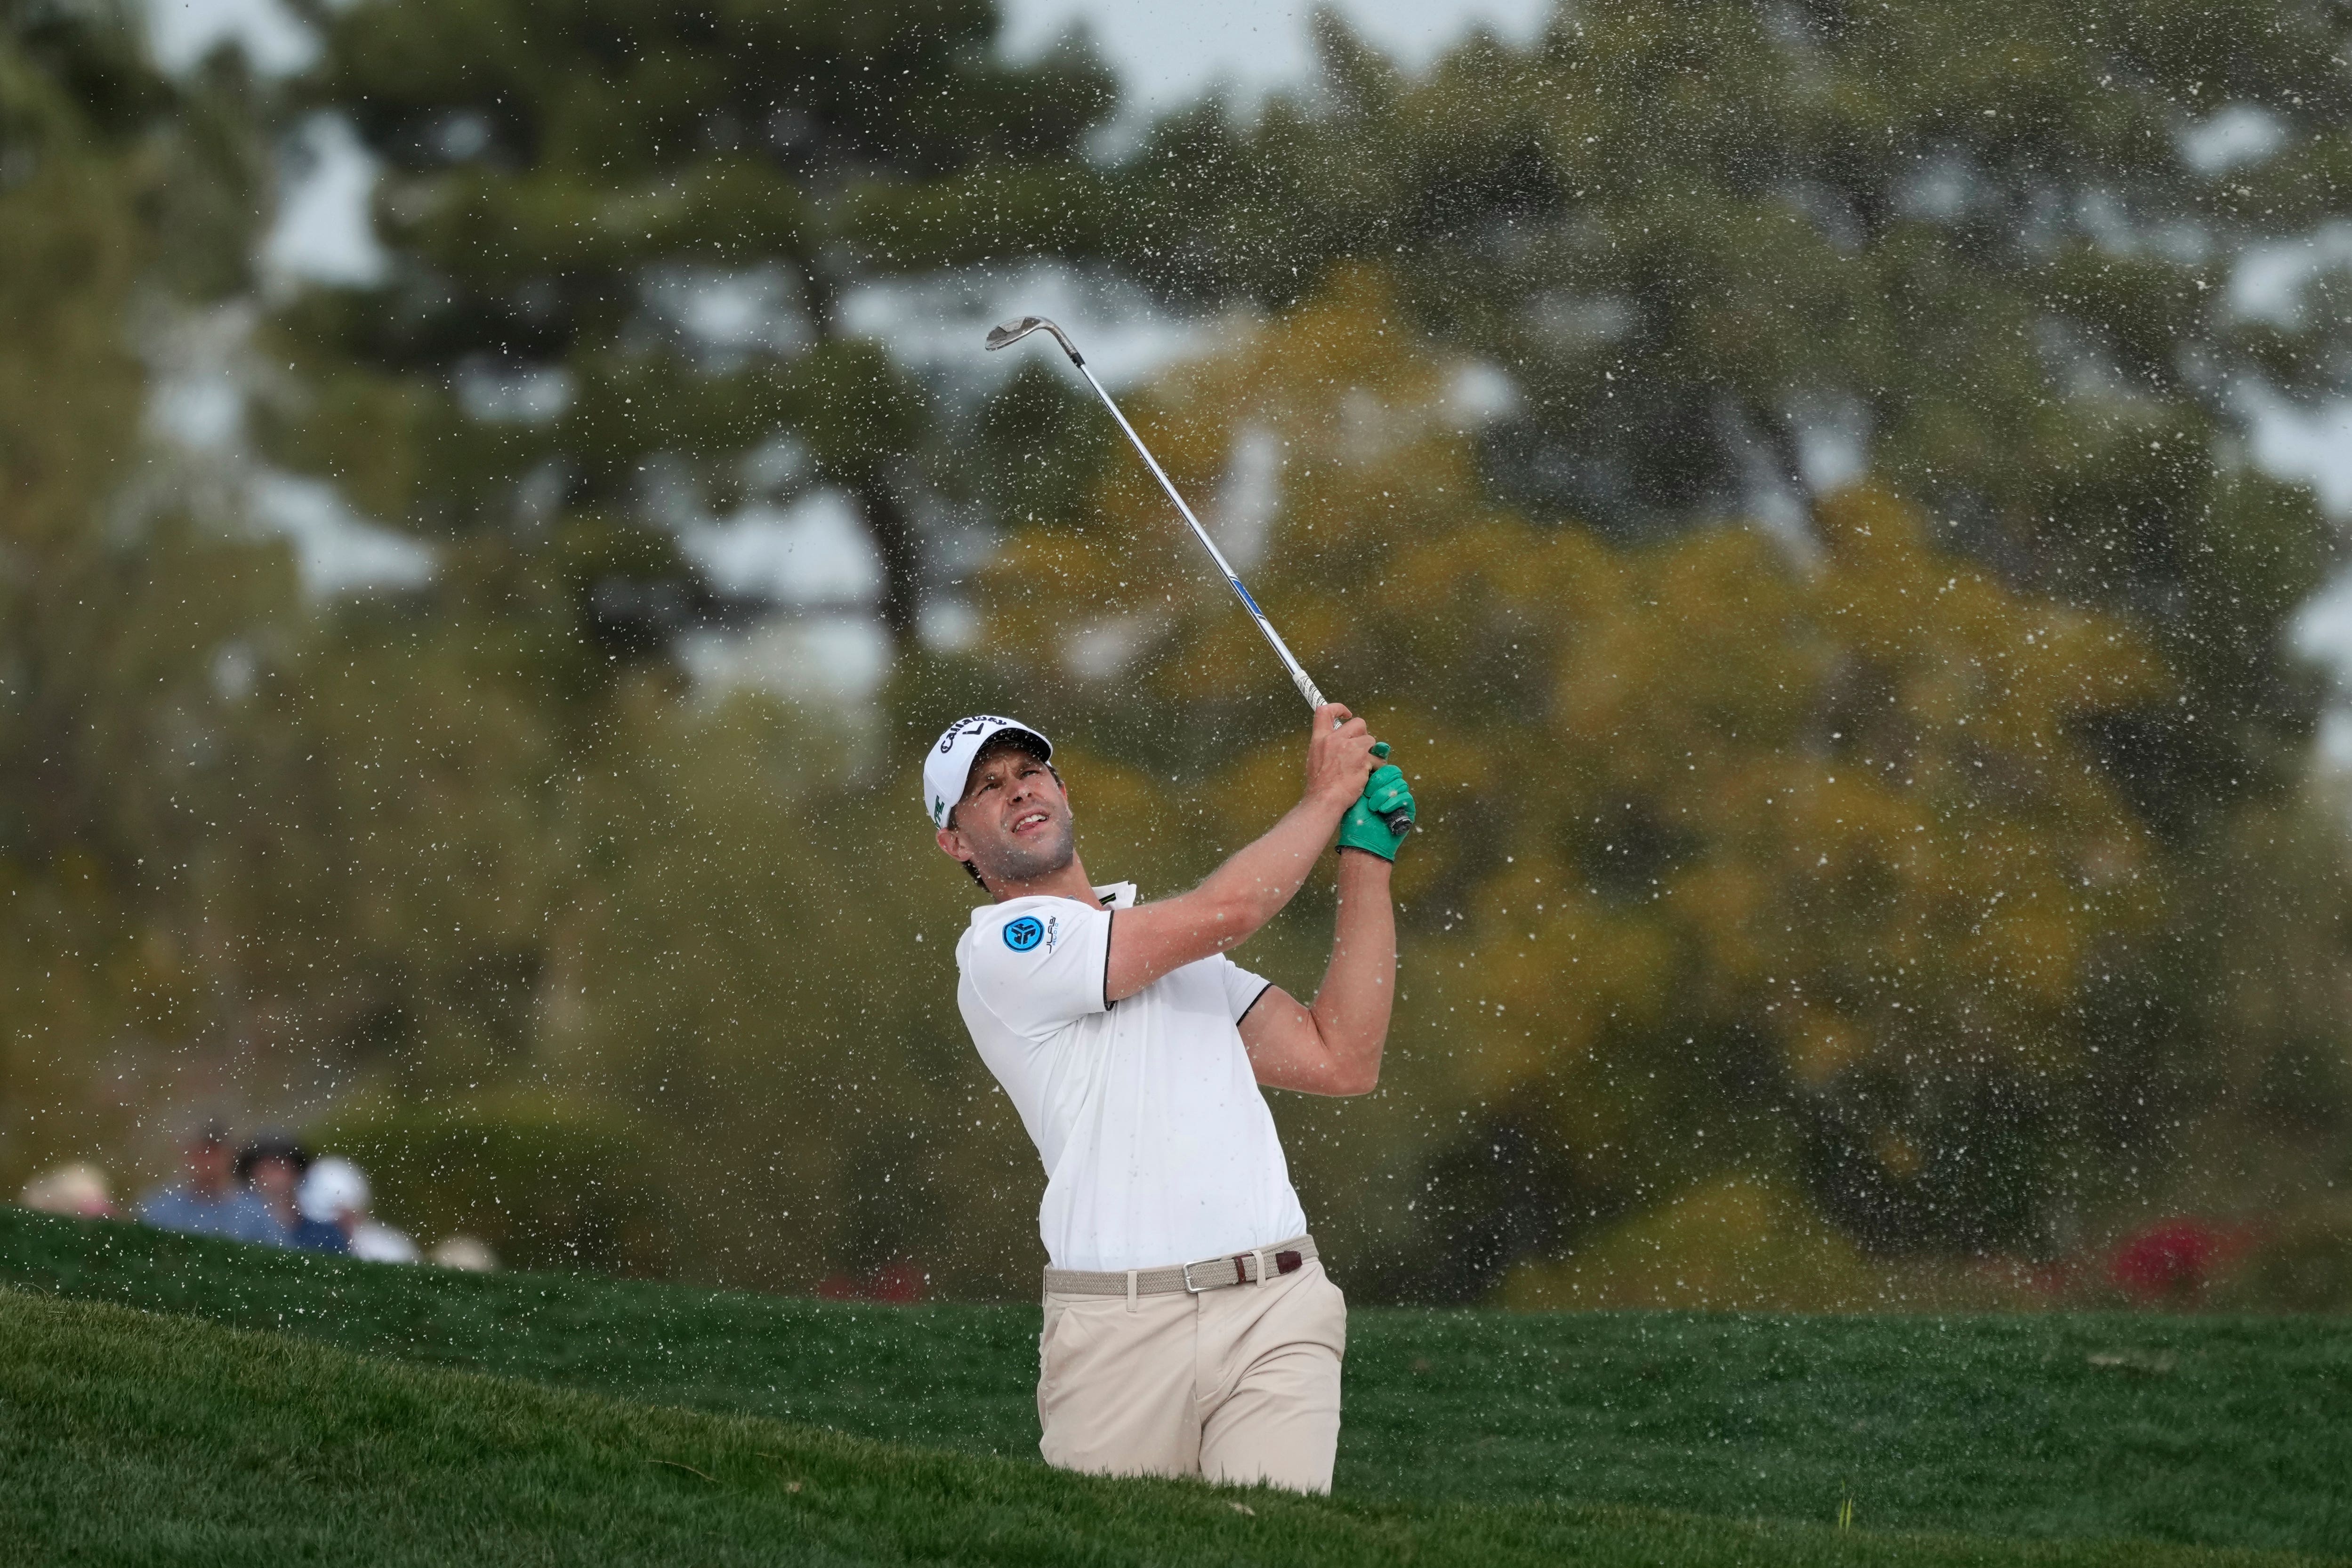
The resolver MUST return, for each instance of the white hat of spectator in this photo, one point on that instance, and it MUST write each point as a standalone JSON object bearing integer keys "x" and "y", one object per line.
{"x": 333, "y": 1188}
{"x": 77, "y": 1189}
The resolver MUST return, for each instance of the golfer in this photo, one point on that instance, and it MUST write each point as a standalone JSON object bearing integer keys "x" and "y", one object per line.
{"x": 1189, "y": 1329}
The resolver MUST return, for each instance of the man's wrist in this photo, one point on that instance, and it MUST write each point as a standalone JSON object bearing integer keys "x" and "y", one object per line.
{"x": 1331, "y": 803}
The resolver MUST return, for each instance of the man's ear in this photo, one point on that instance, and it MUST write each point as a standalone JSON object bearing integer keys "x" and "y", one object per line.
{"x": 950, "y": 844}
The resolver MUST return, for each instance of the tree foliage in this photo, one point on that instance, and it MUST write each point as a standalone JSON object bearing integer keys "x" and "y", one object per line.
{"x": 1727, "y": 251}
{"x": 133, "y": 784}
{"x": 1730, "y": 855}
{"x": 1777, "y": 473}
{"x": 1943, "y": 297}
{"x": 614, "y": 290}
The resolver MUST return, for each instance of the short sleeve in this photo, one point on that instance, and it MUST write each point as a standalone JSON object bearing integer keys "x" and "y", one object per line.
{"x": 1242, "y": 990}
{"x": 1038, "y": 964}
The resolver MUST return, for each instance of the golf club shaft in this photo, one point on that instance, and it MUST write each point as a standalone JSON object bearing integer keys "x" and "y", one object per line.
{"x": 1299, "y": 675}
{"x": 1399, "y": 821}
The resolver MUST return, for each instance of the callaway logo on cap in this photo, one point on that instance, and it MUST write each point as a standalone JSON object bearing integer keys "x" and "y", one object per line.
{"x": 948, "y": 765}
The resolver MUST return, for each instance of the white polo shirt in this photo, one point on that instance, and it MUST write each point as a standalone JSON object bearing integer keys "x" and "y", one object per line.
{"x": 1158, "y": 1146}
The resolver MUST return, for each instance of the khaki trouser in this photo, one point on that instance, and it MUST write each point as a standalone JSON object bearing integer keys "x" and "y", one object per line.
{"x": 1239, "y": 1386}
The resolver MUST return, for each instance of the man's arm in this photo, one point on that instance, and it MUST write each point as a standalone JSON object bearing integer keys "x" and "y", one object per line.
{"x": 1250, "y": 888}
{"x": 1334, "y": 1046}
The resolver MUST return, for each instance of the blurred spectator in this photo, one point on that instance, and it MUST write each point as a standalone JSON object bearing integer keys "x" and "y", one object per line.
{"x": 465, "y": 1252}
{"x": 207, "y": 1202}
{"x": 335, "y": 1193}
{"x": 272, "y": 1166}
{"x": 76, "y": 1190}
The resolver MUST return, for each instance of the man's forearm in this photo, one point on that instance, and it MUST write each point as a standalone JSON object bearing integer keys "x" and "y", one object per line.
{"x": 1227, "y": 908}
{"x": 1253, "y": 885}
{"x": 1352, "y": 1007}
{"x": 1263, "y": 875}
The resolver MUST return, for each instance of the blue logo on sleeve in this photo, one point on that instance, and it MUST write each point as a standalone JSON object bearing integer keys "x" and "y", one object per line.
{"x": 1024, "y": 933}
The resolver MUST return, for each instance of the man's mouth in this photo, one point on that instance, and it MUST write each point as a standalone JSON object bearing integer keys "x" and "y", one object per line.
{"x": 1028, "y": 820}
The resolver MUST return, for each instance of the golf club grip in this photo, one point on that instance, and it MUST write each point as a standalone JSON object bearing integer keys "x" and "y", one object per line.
{"x": 1400, "y": 820}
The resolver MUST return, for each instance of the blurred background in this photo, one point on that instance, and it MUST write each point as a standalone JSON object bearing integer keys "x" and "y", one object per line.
{"x": 1838, "y": 508}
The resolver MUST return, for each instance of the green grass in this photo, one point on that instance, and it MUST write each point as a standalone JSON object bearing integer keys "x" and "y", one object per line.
{"x": 2221, "y": 1432}
{"x": 135, "y": 1438}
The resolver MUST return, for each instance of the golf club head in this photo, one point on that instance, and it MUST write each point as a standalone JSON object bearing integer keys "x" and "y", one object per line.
{"x": 1011, "y": 332}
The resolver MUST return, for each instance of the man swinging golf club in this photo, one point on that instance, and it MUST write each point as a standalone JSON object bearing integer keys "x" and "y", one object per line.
{"x": 1189, "y": 1329}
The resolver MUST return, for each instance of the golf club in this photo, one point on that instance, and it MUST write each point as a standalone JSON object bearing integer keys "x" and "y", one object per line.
{"x": 1011, "y": 332}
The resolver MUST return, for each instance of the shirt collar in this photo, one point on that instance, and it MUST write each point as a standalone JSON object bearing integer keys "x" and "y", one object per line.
{"x": 1116, "y": 895}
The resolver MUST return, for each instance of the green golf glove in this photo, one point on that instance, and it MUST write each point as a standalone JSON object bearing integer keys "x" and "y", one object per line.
{"x": 1366, "y": 825}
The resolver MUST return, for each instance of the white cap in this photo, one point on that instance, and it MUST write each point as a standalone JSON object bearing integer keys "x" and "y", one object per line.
{"x": 332, "y": 1187}
{"x": 948, "y": 765}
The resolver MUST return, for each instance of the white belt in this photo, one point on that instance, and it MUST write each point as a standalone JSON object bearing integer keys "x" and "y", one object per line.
{"x": 1248, "y": 1268}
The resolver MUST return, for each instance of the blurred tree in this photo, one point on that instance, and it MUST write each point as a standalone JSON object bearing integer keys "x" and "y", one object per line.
{"x": 2274, "y": 999}
{"x": 1730, "y": 256}
{"x": 1920, "y": 861}
{"x": 128, "y": 629}
{"x": 612, "y": 302}
{"x": 545, "y": 1184}
{"x": 760, "y": 964}
{"x": 612, "y": 307}
{"x": 1737, "y": 853}
{"x": 1726, "y": 259}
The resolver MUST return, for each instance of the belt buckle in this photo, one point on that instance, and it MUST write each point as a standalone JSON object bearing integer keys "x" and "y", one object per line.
{"x": 1237, "y": 1263}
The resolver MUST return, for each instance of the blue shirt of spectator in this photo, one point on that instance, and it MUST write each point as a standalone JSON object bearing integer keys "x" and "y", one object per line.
{"x": 233, "y": 1215}
{"x": 208, "y": 1202}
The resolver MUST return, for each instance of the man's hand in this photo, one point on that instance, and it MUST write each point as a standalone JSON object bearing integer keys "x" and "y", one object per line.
{"x": 1338, "y": 758}
{"x": 1366, "y": 825}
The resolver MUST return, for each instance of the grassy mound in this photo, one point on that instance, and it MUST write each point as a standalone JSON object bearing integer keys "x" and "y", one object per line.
{"x": 2223, "y": 1432}
{"x": 133, "y": 1437}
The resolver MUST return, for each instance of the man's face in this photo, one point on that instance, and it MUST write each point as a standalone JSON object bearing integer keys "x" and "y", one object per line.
{"x": 209, "y": 1165}
{"x": 275, "y": 1179}
{"x": 1014, "y": 821}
